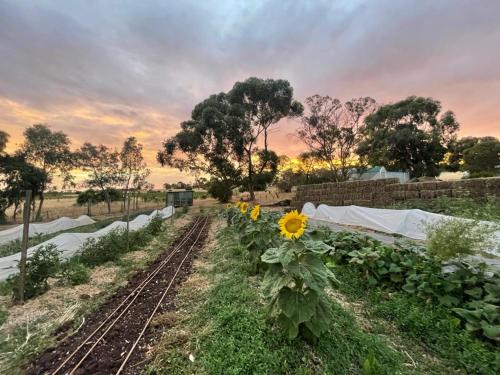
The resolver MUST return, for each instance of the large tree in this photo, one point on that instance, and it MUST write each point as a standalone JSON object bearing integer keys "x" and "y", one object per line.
{"x": 103, "y": 165}
{"x": 221, "y": 138}
{"x": 331, "y": 130}
{"x": 48, "y": 150}
{"x": 483, "y": 157}
{"x": 16, "y": 176}
{"x": 133, "y": 166}
{"x": 410, "y": 135}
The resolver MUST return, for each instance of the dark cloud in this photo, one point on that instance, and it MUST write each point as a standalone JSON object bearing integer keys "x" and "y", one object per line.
{"x": 104, "y": 69}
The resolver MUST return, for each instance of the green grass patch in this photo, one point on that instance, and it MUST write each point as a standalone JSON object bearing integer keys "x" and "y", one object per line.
{"x": 430, "y": 324}
{"x": 231, "y": 333}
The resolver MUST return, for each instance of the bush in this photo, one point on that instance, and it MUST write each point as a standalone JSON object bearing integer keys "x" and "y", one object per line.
{"x": 155, "y": 226}
{"x": 220, "y": 190}
{"x": 42, "y": 264}
{"x": 73, "y": 272}
{"x": 448, "y": 239}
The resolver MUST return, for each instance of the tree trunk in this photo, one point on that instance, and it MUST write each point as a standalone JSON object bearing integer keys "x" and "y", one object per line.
{"x": 250, "y": 177}
{"x": 108, "y": 200}
{"x": 40, "y": 205}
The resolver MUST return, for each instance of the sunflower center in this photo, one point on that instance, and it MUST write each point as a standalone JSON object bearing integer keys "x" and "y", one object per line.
{"x": 293, "y": 225}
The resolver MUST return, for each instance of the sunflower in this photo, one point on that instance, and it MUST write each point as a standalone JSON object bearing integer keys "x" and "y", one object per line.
{"x": 254, "y": 214}
{"x": 292, "y": 225}
{"x": 243, "y": 207}
{"x": 238, "y": 204}
{"x": 229, "y": 205}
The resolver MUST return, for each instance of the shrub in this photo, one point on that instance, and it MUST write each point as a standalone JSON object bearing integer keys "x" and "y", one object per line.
{"x": 455, "y": 238}
{"x": 155, "y": 226}
{"x": 73, "y": 272}
{"x": 220, "y": 190}
{"x": 42, "y": 264}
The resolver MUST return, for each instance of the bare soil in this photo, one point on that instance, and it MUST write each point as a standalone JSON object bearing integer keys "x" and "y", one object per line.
{"x": 108, "y": 355}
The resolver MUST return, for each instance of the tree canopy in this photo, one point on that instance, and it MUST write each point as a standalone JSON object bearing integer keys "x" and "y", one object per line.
{"x": 331, "y": 130}
{"x": 484, "y": 156}
{"x": 409, "y": 135}
{"x": 220, "y": 139}
{"x": 50, "y": 151}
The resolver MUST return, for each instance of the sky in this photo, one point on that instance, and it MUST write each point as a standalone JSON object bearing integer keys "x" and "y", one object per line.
{"x": 102, "y": 71}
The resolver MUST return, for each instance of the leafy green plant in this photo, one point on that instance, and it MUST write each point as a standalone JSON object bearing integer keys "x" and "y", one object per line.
{"x": 40, "y": 266}
{"x": 73, "y": 272}
{"x": 295, "y": 286}
{"x": 260, "y": 235}
{"x": 449, "y": 239}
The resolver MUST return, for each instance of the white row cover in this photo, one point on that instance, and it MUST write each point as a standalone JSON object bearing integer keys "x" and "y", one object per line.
{"x": 408, "y": 223}
{"x": 63, "y": 223}
{"x": 70, "y": 243}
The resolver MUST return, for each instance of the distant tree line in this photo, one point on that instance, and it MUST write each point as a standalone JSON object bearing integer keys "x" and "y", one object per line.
{"x": 227, "y": 138}
{"x": 45, "y": 154}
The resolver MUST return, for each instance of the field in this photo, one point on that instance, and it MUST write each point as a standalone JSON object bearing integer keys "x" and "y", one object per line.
{"x": 213, "y": 314}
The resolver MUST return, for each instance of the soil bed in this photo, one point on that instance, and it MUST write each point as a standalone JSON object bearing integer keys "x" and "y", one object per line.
{"x": 110, "y": 352}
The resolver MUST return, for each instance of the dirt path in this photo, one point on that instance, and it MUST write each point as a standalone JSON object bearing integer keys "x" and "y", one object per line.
{"x": 119, "y": 335}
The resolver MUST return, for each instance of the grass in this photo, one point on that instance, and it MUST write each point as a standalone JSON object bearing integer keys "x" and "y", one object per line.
{"x": 25, "y": 341}
{"x": 227, "y": 329}
{"x": 477, "y": 209}
{"x": 430, "y": 325}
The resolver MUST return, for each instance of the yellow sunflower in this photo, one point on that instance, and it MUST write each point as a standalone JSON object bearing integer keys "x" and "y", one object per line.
{"x": 254, "y": 214}
{"x": 238, "y": 204}
{"x": 244, "y": 207}
{"x": 229, "y": 205}
{"x": 293, "y": 224}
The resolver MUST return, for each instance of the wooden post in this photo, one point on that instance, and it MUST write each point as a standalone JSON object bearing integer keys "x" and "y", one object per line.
{"x": 128, "y": 220}
{"x": 89, "y": 207}
{"x": 24, "y": 246}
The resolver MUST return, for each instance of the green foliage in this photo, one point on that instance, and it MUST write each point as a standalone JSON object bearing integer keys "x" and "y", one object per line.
{"x": 406, "y": 267}
{"x": 259, "y": 235}
{"x": 220, "y": 190}
{"x": 221, "y": 137}
{"x": 483, "y": 157}
{"x": 40, "y": 266}
{"x": 432, "y": 324}
{"x": 295, "y": 285}
{"x": 98, "y": 196}
{"x": 74, "y": 273}
{"x": 230, "y": 331}
{"x": 408, "y": 136}
{"x": 455, "y": 238}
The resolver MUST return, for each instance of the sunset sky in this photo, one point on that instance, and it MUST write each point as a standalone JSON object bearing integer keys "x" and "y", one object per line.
{"x": 105, "y": 70}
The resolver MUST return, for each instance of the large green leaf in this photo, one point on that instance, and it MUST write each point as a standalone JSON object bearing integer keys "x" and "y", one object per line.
{"x": 313, "y": 271}
{"x": 274, "y": 280}
{"x": 491, "y": 331}
{"x": 282, "y": 254}
{"x": 317, "y": 246}
{"x": 321, "y": 319}
{"x": 296, "y": 305}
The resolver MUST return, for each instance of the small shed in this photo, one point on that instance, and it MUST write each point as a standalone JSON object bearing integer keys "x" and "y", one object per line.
{"x": 179, "y": 198}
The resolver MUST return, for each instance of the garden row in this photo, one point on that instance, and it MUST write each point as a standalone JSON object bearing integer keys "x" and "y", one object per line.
{"x": 46, "y": 263}
{"x": 300, "y": 264}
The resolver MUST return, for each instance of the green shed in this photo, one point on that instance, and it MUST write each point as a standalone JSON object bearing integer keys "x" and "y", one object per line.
{"x": 179, "y": 198}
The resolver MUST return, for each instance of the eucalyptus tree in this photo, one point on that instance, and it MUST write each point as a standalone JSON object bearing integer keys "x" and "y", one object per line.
{"x": 331, "y": 130}
{"x": 49, "y": 151}
{"x": 409, "y": 135}
{"x": 221, "y": 138}
{"x": 133, "y": 166}
{"x": 4, "y": 137}
{"x": 103, "y": 166}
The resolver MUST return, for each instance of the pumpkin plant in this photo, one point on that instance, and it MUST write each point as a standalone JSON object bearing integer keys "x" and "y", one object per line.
{"x": 296, "y": 279}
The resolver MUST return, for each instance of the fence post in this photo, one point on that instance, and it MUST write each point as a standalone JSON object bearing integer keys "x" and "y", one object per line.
{"x": 128, "y": 220}
{"x": 24, "y": 246}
